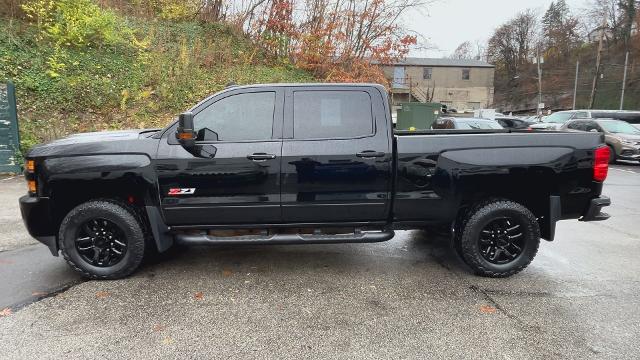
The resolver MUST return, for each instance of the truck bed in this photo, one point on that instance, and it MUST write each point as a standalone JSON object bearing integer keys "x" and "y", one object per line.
{"x": 437, "y": 169}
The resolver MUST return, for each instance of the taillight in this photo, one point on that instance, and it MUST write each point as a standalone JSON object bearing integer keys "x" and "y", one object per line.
{"x": 601, "y": 163}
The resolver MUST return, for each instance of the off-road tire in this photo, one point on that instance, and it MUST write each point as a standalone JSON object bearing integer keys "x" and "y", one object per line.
{"x": 120, "y": 213}
{"x": 466, "y": 240}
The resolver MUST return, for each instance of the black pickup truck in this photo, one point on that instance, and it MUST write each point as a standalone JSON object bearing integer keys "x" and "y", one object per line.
{"x": 306, "y": 163}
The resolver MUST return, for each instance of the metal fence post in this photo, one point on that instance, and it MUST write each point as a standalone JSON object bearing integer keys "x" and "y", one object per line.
{"x": 575, "y": 85}
{"x": 624, "y": 80}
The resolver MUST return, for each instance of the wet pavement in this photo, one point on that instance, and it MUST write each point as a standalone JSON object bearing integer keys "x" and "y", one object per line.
{"x": 407, "y": 298}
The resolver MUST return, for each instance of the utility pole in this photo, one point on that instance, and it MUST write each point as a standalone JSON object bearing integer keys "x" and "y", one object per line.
{"x": 624, "y": 79}
{"x": 539, "y": 111}
{"x": 597, "y": 74}
{"x": 575, "y": 85}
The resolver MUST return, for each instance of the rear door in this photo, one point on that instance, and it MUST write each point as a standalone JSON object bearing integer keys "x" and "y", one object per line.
{"x": 336, "y": 155}
{"x": 235, "y": 178}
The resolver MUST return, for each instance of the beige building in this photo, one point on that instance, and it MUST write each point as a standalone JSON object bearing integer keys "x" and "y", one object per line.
{"x": 460, "y": 84}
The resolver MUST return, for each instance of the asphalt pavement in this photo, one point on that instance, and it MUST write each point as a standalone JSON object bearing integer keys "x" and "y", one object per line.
{"x": 407, "y": 298}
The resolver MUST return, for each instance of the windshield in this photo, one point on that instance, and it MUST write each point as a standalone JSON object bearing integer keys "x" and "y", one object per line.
{"x": 619, "y": 127}
{"x": 478, "y": 124}
{"x": 558, "y": 118}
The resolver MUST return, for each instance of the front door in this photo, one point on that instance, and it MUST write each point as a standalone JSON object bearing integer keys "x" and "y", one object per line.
{"x": 336, "y": 160}
{"x": 399, "y": 81}
{"x": 235, "y": 178}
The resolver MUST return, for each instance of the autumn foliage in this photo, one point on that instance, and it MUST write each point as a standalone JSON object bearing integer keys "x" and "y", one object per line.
{"x": 338, "y": 41}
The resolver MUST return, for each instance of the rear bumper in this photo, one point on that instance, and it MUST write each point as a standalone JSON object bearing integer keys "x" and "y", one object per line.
{"x": 593, "y": 211}
{"x": 36, "y": 214}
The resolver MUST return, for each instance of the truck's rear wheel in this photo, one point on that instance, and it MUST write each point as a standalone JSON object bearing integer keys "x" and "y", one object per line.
{"x": 498, "y": 238}
{"x": 102, "y": 239}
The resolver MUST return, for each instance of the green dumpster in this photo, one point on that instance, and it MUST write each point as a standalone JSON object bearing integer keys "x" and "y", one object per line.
{"x": 417, "y": 116}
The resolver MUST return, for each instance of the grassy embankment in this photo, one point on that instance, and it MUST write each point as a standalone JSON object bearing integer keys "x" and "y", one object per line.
{"x": 65, "y": 89}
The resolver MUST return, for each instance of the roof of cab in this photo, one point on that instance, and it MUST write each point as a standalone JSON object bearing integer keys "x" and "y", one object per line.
{"x": 308, "y": 85}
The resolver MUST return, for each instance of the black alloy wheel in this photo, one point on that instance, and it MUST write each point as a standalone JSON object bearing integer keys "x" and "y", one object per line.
{"x": 501, "y": 241}
{"x": 103, "y": 239}
{"x": 497, "y": 237}
{"x": 101, "y": 242}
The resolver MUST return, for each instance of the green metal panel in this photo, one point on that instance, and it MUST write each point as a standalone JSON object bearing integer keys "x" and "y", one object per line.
{"x": 417, "y": 116}
{"x": 9, "y": 137}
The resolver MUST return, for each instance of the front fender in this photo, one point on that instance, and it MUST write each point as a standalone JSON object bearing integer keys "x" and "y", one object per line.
{"x": 70, "y": 180}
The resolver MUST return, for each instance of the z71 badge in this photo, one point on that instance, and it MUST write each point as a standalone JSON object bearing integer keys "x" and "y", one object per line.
{"x": 185, "y": 191}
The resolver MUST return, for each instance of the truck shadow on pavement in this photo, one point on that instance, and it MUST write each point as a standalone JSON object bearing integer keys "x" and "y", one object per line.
{"x": 417, "y": 249}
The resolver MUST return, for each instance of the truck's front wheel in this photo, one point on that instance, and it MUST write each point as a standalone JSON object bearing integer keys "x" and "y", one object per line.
{"x": 498, "y": 238}
{"x": 102, "y": 239}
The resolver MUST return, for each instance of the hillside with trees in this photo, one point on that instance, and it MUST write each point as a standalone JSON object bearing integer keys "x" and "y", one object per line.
{"x": 562, "y": 37}
{"x": 88, "y": 65}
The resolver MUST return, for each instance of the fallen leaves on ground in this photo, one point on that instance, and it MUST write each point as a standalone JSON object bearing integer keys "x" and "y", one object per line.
{"x": 488, "y": 309}
{"x": 38, "y": 293}
{"x": 6, "y": 312}
{"x": 158, "y": 327}
{"x": 198, "y": 296}
{"x": 102, "y": 294}
{"x": 227, "y": 272}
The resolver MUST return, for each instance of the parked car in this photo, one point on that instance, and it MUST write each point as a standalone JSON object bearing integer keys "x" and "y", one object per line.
{"x": 301, "y": 164}
{"x": 620, "y": 136}
{"x": 465, "y": 124}
{"x": 632, "y": 117}
{"x": 509, "y": 122}
{"x": 556, "y": 120}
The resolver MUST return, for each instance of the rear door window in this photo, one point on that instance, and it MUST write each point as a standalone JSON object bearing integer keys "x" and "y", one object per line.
{"x": 331, "y": 114}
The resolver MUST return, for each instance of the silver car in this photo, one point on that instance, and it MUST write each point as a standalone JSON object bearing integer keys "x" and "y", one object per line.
{"x": 622, "y": 137}
{"x": 556, "y": 120}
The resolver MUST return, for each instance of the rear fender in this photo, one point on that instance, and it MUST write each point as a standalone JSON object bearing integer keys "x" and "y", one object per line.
{"x": 526, "y": 175}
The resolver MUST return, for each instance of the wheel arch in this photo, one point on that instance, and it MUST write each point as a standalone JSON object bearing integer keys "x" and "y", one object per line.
{"x": 128, "y": 178}
{"x": 534, "y": 188}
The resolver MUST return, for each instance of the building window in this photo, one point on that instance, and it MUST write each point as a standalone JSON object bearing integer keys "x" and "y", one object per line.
{"x": 473, "y": 105}
{"x": 427, "y": 73}
{"x": 466, "y": 74}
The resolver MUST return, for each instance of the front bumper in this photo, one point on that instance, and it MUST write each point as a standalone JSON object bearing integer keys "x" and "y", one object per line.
{"x": 36, "y": 214}
{"x": 593, "y": 212}
{"x": 629, "y": 153}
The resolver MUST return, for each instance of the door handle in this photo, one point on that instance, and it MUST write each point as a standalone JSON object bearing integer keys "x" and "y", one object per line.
{"x": 370, "y": 154}
{"x": 261, "y": 157}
